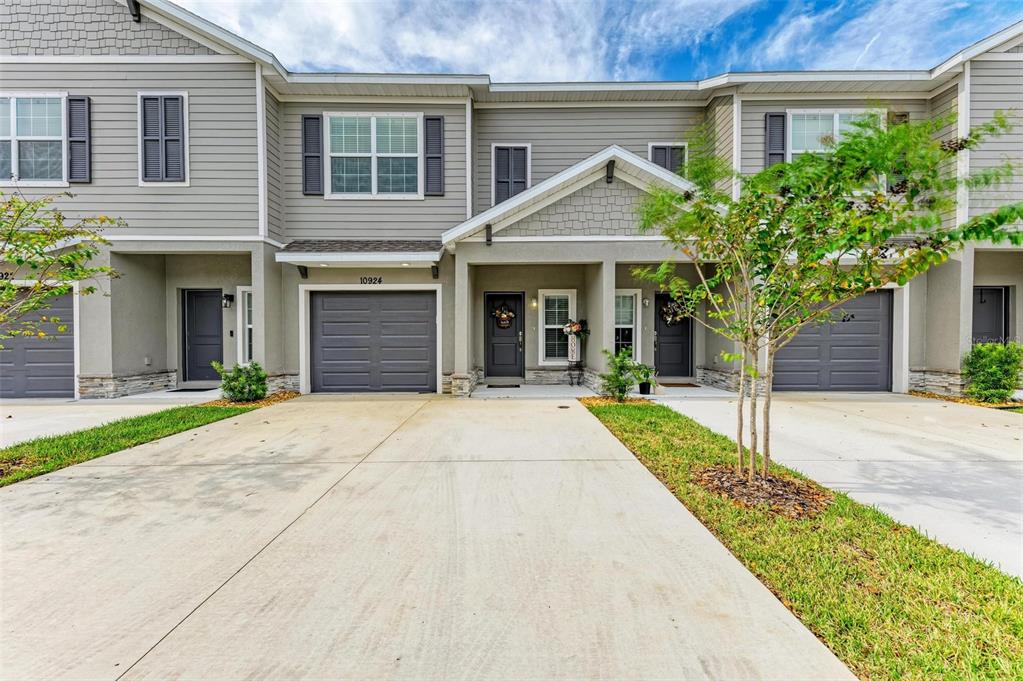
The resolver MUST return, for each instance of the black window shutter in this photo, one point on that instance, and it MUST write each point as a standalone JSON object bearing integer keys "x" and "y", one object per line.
{"x": 163, "y": 138}
{"x": 510, "y": 172}
{"x": 518, "y": 170}
{"x": 659, "y": 155}
{"x": 433, "y": 145}
{"x": 774, "y": 139}
{"x": 79, "y": 142}
{"x": 152, "y": 161}
{"x": 173, "y": 139}
{"x": 312, "y": 155}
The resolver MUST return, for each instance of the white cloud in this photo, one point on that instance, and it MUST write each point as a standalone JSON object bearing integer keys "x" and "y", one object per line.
{"x": 558, "y": 40}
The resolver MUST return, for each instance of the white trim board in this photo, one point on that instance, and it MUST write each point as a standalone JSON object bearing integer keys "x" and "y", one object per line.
{"x": 304, "y": 318}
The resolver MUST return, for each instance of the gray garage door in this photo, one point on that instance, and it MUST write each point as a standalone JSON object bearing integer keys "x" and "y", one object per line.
{"x": 373, "y": 342}
{"x": 41, "y": 367}
{"x": 852, "y": 354}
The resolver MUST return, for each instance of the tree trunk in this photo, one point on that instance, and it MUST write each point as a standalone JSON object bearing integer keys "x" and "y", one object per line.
{"x": 740, "y": 424}
{"x": 752, "y": 353}
{"x": 769, "y": 390}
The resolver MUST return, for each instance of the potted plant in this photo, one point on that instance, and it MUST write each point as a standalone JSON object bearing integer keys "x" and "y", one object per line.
{"x": 644, "y": 375}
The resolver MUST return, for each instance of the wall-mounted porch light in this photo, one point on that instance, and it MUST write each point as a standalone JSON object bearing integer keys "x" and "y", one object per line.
{"x": 646, "y": 302}
{"x": 532, "y": 303}
{"x": 227, "y": 300}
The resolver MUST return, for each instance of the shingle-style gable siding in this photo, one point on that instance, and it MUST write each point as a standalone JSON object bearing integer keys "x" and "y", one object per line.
{"x": 598, "y": 209}
{"x": 315, "y": 217}
{"x": 58, "y": 27}
{"x": 561, "y": 137}
{"x": 996, "y": 85}
{"x": 221, "y": 197}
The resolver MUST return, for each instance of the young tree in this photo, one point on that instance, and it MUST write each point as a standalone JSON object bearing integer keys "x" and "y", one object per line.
{"x": 42, "y": 256}
{"x": 804, "y": 238}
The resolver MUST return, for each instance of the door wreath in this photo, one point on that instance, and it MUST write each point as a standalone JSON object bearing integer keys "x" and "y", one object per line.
{"x": 673, "y": 312}
{"x": 504, "y": 317}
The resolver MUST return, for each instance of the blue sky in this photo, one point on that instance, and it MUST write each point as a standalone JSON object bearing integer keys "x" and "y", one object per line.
{"x": 558, "y": 40}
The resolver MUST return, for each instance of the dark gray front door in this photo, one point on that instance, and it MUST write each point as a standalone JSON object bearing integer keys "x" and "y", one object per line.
{"x": 853, "y": 352}
{"x": 382, "y": 341}
{"x": 990, "y": 314}
{"x": 504, "y": 336}
{"x": 673, "y": 343}
{"x": 41, "y": 367}
{"x": 203, "y": 333}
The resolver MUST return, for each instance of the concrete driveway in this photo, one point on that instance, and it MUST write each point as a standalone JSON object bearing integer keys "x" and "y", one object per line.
{"x": 380, "y": 538}
{"x": 952, "y": 470}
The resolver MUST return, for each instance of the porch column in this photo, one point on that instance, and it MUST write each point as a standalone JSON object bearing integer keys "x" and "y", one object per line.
{"x": 267, "y": 322}
{"x": 463, "y": 379}
{"x": 949, "y": 323}
{"x": 601, "y": 315}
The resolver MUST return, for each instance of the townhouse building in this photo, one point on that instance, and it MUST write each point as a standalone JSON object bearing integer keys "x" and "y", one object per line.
{"x": 372, "y": 233}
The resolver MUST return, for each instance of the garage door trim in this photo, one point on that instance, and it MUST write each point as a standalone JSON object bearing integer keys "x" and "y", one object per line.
{"x": 75, "y": 316}
{"x": 304, "y": 315}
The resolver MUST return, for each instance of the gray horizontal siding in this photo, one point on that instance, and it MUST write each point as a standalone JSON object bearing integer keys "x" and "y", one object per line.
{"x": 314, "y": 217}
{"x": 719, "y": 119}
{"x": 753, "y": 120}
{"x": 563, "y": 137}
{"x": 996, "y": 85}
{"x": 222, "y": 197}
{"x": 274, "y": 191}
{"x": 944, "y": 104}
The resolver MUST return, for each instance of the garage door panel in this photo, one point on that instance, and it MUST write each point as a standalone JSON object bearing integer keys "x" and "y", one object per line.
{"x": 373, "y": 342}
{"x": 852, "y": 352}
{"x": 41, "y": 367}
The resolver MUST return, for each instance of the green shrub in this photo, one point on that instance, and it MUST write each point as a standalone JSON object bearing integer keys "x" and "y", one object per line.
{"x": 242, "y": 383}
{"x": 620, "y": 377}
{"x": 992, "y": 370}
{"x": 643, "y": 373}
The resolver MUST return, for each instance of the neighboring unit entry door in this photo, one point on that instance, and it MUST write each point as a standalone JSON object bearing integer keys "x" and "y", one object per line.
{"x": 673, "y": 353}
{"x": 990, "y": 305}
{"x": 504, "y": 338}
{"x": 203, "y": 334}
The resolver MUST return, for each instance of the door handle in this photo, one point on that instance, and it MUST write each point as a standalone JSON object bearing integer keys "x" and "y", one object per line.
{"x": 521, "y": 335}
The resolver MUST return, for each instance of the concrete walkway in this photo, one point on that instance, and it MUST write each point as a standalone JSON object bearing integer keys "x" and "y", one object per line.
{"x": 390, "y": 538}
{"x": 952, "y": 470}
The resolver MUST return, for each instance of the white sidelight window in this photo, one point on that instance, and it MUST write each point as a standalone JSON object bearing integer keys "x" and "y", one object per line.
{"x": 33, "y": 137}
{"x": 374, "y": 155}
{"x": 815, "y": 130}
{"x": 245, "y": 340}
{"x": 627, "y": 321}
{"x": 556, "y": 308}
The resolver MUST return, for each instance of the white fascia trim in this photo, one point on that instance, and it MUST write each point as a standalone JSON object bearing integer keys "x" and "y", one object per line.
{"x": 581, "y": 168}
{"x": 963, "y": 56}
{"x": 588, "y": 104}
{"x": 303, "y": 322}
{"x": 469, "y": 182}
{"x": 196, "y": 238}
{"x": 366, "y": 99}
{"x": 593, "y": 237}
{"x": 528, "y": 146}
{"x": 124, "y": 59}
{"x": 261, "y": 189}
{"x": 422, "y": 257}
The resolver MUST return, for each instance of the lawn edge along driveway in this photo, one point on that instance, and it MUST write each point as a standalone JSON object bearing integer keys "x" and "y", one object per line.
{"x": 47, "y": 454}
{"x": 888, "y": 601}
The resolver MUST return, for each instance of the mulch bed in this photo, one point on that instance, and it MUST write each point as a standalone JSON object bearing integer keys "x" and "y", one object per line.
{"x": 966, "y": 400}
{"x": 273, "y": 398}
{"x": 789, "y": 497}
{"x": 607, "y": 401}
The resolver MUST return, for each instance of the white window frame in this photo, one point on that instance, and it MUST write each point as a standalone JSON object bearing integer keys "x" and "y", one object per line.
{"x": 636, "y": 326}
{"x": 834, "y": 112}
{"x": 14, "y": 138}
{"x": 188, "y": 137}
{"x": 244, "y": 323}
{"x": 528, "y": 146}
{"x": 542, "y": 326}
{"x": 373, "y": 155}
{"x": 650, "y": 151}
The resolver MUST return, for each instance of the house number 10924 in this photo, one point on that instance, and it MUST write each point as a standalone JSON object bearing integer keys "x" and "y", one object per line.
{"x": 371, "y": 280}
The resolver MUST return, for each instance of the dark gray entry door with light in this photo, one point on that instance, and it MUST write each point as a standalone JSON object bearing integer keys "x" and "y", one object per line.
{"x": 41, "y": 367}
{"x": 673, "y": 351}
{"x": 203, "y": 333}
{"x": 382, "y": 341}
{"x": 504, "y": 334}
{"x": 990, "y": 314}
{"x": 852, "y": 352}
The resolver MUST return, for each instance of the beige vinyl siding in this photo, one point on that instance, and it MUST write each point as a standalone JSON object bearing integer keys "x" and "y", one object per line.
{"x": 274, "y": 191}
{"x": 222, "y": 196}
{"x": 561, "y": 137}
{"x": 753, "y": 119}
{"x": 315, "y": 217}
{"x": 719, "y": 120}
{"x": 945, "y": 104}
{"x": 996, "y": 85}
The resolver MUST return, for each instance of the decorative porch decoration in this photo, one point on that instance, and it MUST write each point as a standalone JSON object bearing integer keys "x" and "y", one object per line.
{"x": 576, "y": 331}
{"x": 504, "y": 317}
{"x": 673, "y": 312}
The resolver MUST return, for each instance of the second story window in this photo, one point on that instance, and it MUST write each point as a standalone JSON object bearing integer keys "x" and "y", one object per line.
{"x": 671, "y": 157}
{"x": 815, "y": 131}
{"x": 163, "y": 128}
{"x": 510, "y": 172}
{"x": 32, "y": 139}
{"x": 374, "y": 155}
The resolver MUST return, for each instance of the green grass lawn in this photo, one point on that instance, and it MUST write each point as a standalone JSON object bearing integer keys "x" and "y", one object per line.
{"x": 890, "y": 602}
{"x": 45, "y": 454}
